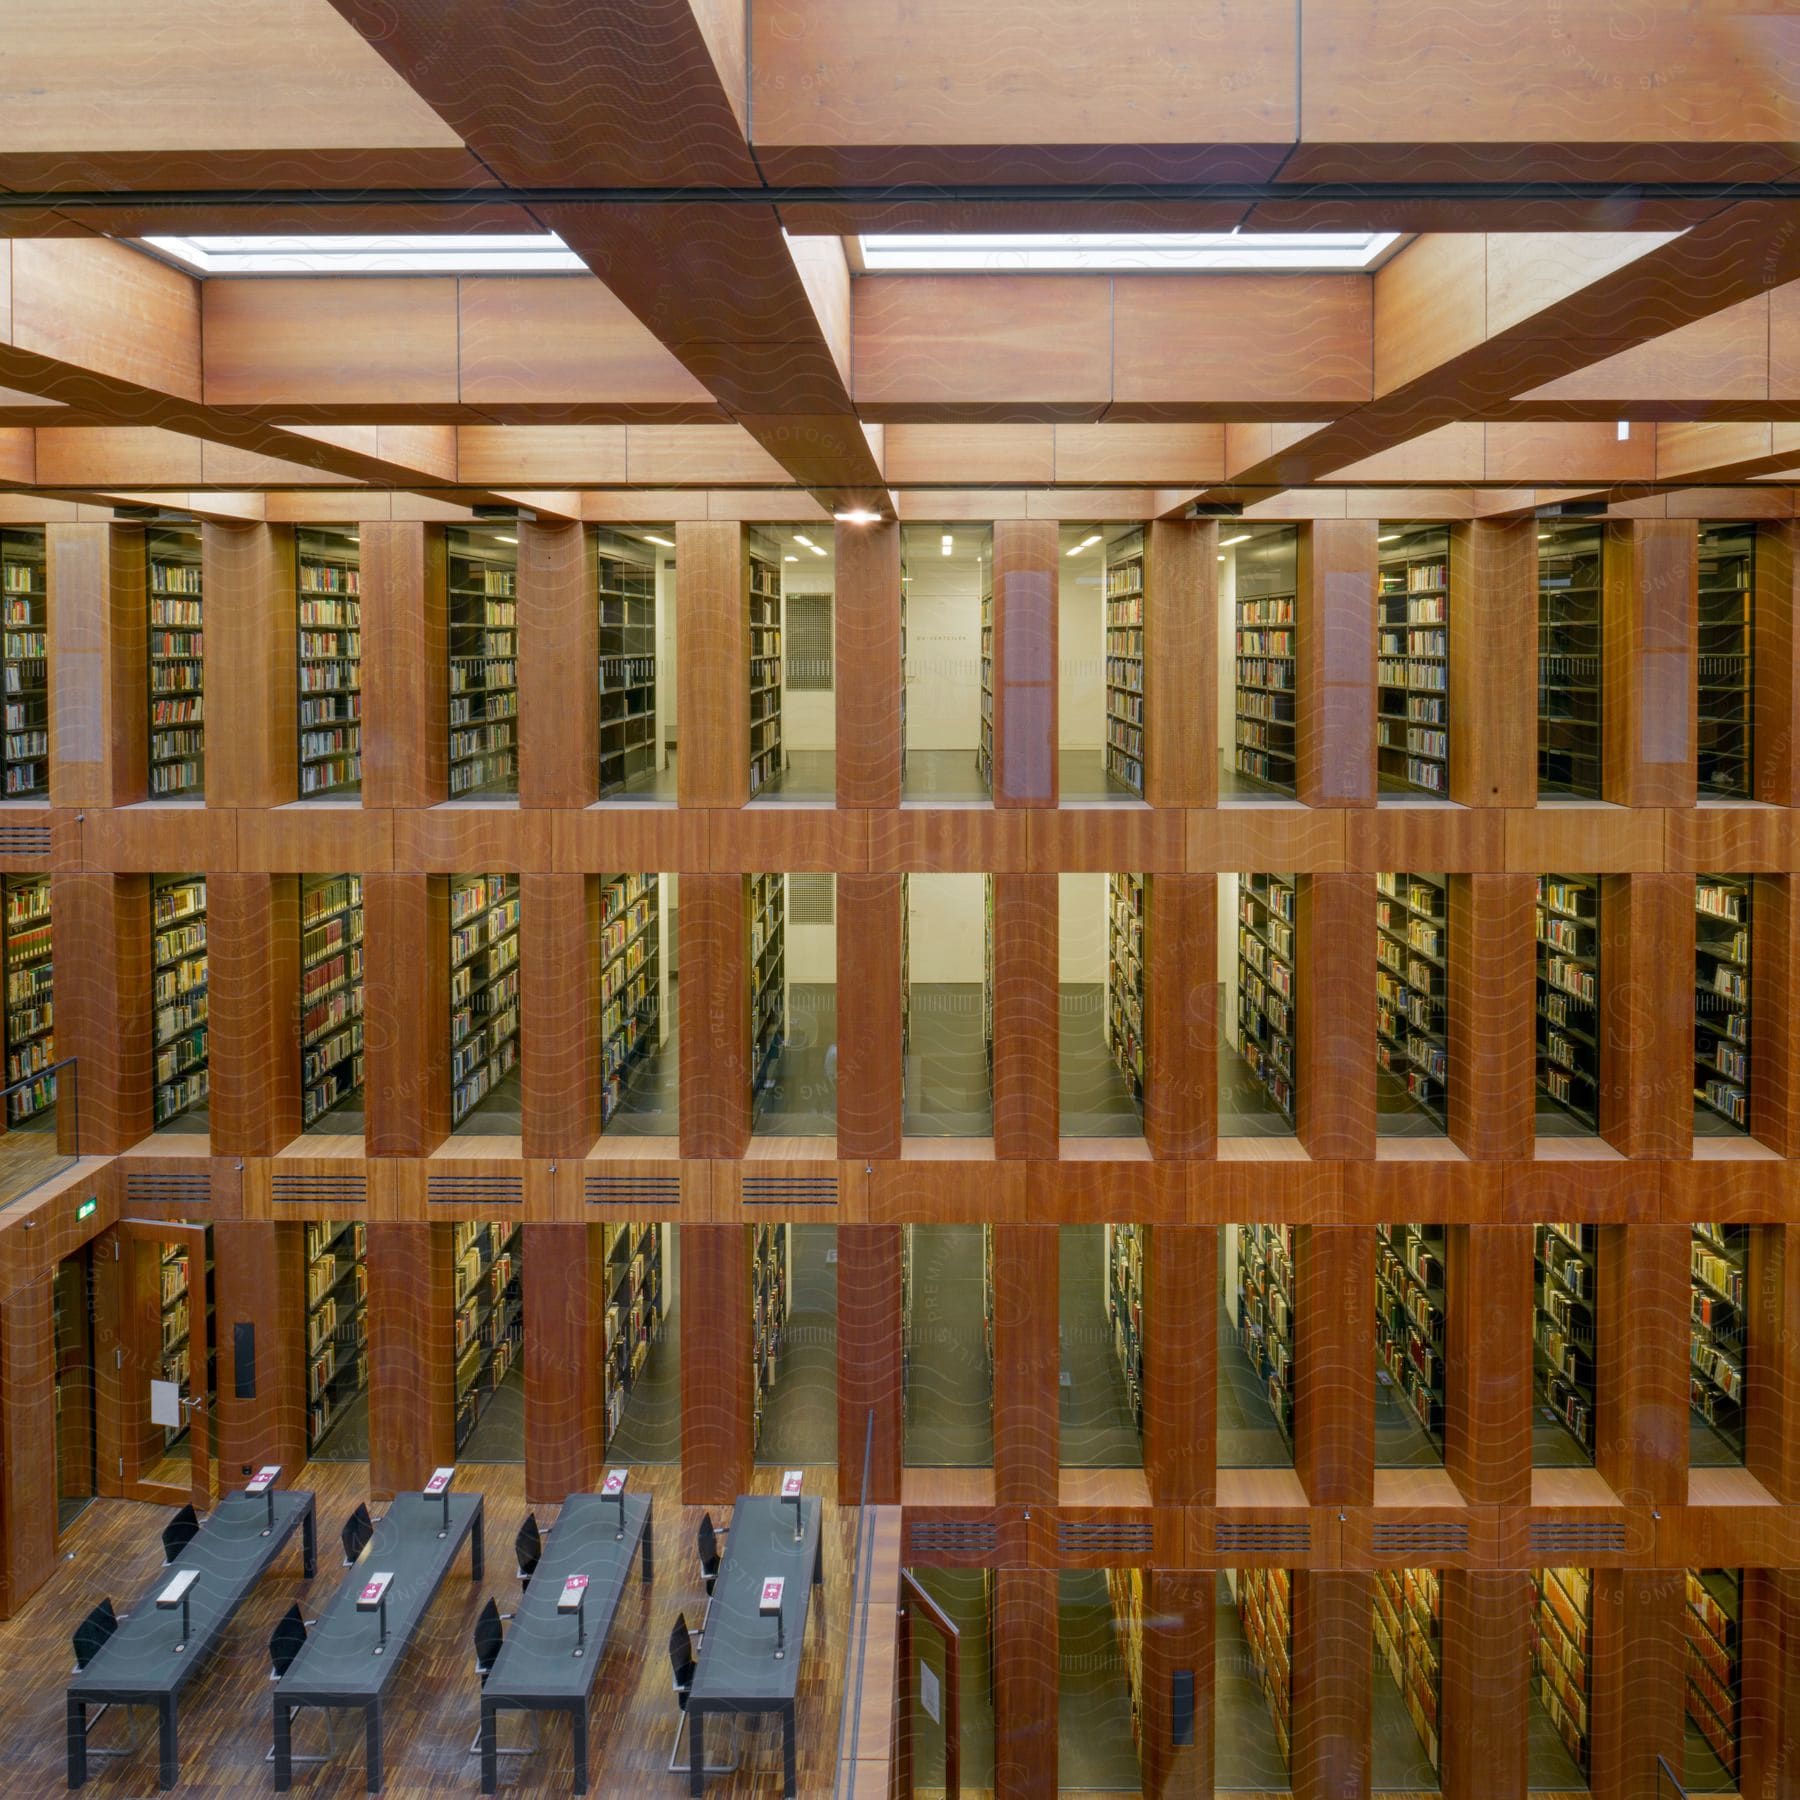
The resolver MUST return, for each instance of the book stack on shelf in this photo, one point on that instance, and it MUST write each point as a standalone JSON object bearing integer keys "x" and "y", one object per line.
{"x": 1263, "y": 1602}
{"x": 177, "y": 1297}
{"x": 987, "y": 1296}
{"x": 1568, "y": 995}
{"x": 1563, "y": 1328}
{"x": 1718, "y": 1264}
{"x": 1266, "y": 1315}
{"x": 1125, "y": 1309}
{"x": 1569, "y": 644}
{"x": 178, "y": 993}
{"x": 1561, "y": 1619}
{"x": 1407, "y": 1622}
{"x": 634, "y": 1309}
{"x": 489, "y": 1323}
{"x": 30, "y": 1009}
{"x": 484, "y": 664}
{"x": 626, "y": 572}
{"x": 768, "y": 1314}
{"x": 1125, "y": 1589}
{"x": 1412, "y": 944}
{"x": 329, "y": 563}
{"x": 905, "y": 976}
{"x": 766, "y": 904}
{"x": 905, "y": 583}
{"x": 1264, "y": 652}
{"x": 1725, "y": 665}
{"x": 331, "y": 993}
{"x": 484, "y": 987}
{"x": 1412, "y": 672}
{"x": 25, "y": 750}
{"x": 1266, "y": 991}
{"x": 766, "y": 756}
{"x": 630, "y": 980}
{"x": 984, "y": 744}
{"x": 1409, "y": 1320}
{"x": 1722, "y": 1001}
{"x": 1125, "y": 662}
{"x": 987, "y": 973}
{"x": 1714, "y": 1673}
{"x": 337, "y": 1336}
{"x": 177, "y": 663}
{"x": 1125, "y": 978}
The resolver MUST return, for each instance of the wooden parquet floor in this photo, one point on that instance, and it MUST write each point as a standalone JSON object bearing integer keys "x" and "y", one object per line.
{"x": 225, "y": 1716}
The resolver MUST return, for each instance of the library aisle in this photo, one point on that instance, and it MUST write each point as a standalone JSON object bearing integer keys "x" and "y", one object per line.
{"x": 1100, "y": 710}
{"x": 965, "y": 1596}
{"x": 947, "y": 1086}
{"x": 1096, "y": 1746}
{"x": 1247, "y": 1750}
{"x": 799, "y": 1417}
{"x": 1099, "y": 1422}
{"x": 649, "y": 1428}
{"x": 1255, "y": 1350}
{"x": 1258, "y": 998}
{"x": 1099, "y": 1097}
{"x": 1258, "y": 598}
{"x": 946, "y": 597}
{"x": 793, "y": 975}
{"x": 949, "y": 1369}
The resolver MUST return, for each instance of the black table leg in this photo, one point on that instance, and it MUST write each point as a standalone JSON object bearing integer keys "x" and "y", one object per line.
{"x": 284, "y": 1746}
{"x": 475, "y": 1542}
{"x": 490, "y": 1752}
{"x": 649, "y": 1541}
{"x": 309, "y": 1541}
{"x": 167, "y": 1744}
{"x": 372, "y": 1744}
{"x": 579, "y": 1720}
{"x": 696, "y": 1750}
{"x": 77, "y": 1742}
{"x": 789, "y": 1784}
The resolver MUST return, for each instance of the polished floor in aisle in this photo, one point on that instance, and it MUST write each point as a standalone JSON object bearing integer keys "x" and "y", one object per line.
{"x": 1245, "y": 1106}
{"x": 799, "y": 1423}
{"x": 963, "y": 1596}
{"x": 942, "y": 778}
{"x": 650, "y": 1427}
{"x": 1098, "y": 1427}
{"x": 1246, "y": 1752}
{"x": 949, "y": 1383}
{"x": 1095, "y": 1749}
{"x": 650, "y": 1101}
{"x": 1398, "y": 1759}
{"x": 1095, "y": 1096}
{"x": 1248, "y": 1436}
{"x": 798, "y": 1097}
{"x": 947, "y": 1088}
{"x": 499, "y": 1434}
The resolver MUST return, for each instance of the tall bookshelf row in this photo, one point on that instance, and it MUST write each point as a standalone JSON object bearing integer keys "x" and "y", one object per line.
{"x": 984, "y": 743}
{"x": 483, "y": 573}
{"x": 1412, "y": 947}
{"x": 489, "y": 1319}
{"x": 1407, "y": 1643}
{"x": 1264, "y": 651}
{"x": 30, "y": 1001}
{"x": 1125, "y": 662}
{"x": 1412, "y": 670}
{"x": 24, "y": 592}
{"x": 484, "y": 987}
{"x": 630, "y": 980}
{"x": 1569, "y": 647}
{"x": 1266, "y": 1315}
{"x": 626, "y": 575}
{"x": 1125, "y": 1589}
{"x": 1265, "y": 1607}
{"x": 768, "y": 1314}
{"x": 766, "y": 755}
{"x": 1725, "y": 670}
{"x": 331, "y": 994}
{"x": 1266, "y": 987}
{"x": 178, "y": 1300}
{"x": 1125, "y": 1309}
{"x": 1563, "y": 1332}
{"x": 1409, "y": 1320}
{"x": 1714, "y": 1671}
{"x": 1722, "y": 1002}
{"x": 178, "y": 995}
{"x": 634, "y": 1308}
{"x": 337, "y": 1328}
{"x": 1561, "y": 1619}
{"x": 987, "y": 973}
{"x": 1568, "y": 995}
{"x": 766, "y": 902}
{"x": 1125, "y": 978}
{"x": 328, "y": 571}
{"x": 177, "y": 663}
{"x": 1718, "y": 1263}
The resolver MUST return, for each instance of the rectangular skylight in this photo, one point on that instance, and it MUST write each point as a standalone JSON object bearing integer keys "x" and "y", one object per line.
{"x": 1143, "y": 252}
{"x": 534, "y": 254}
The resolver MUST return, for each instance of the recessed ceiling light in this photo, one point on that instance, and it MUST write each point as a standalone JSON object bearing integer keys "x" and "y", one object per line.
{"x": 947, "y": 543}
{"x": 1624, "y": 431}
{"x": 500, "y": 537}
{"x": 800, "y": 537}
{"x": 857, "y": 515}
{"x": 1087, "y": 543}
{"x": 397, "y": 254}
{"x": 1033, "y": 252}
{"x": 790, "y": 559}
{"x": 650, "y": 537}
{"x": 1388, "y": 537}
{"x": 816, "y": 549}
{"x": 1243, "y": 537}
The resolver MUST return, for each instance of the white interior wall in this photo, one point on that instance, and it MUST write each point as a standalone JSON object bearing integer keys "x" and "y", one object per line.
{"x": 1228, "y": 960}
{"x": 1228, "y": 1270}
{"x": 811, "y": 950}
{"x": 1081, "y": 929}
{"x": 808, "y": 715}
{"x": 943, "y": 648}
{"x": 946, "y": 940}
{"x": 1081, "y": 651}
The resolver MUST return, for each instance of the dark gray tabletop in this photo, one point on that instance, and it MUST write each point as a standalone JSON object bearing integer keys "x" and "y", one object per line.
{"x": 738, "y": 1665}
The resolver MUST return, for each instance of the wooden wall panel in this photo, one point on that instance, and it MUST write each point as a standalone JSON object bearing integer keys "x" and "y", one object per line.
{"x": 1026, "y": 585}
{"x": 252, "y": 730}
{"x": 559, "y": 1013}
{"x": 1649, "y": 700}
{"x": 1641, "y": 1362}
{"x": 260, "y": 1280}
{"x": 1334, "y": 1363}
{"x": 871, "y": 1371}
{"x": 1487, "y": 1363}
{"x": 412, "y": 1354}
{"x": 1180, "y": 1365}
{"x": 1485, "y": 1699}
{"x": 406, "y": 1012}
{"x": 1775, "y": 970}
{"x": 1334, "y": 675}
{"x": 869, "y": 930}
{"x": 27, "y": 1430}
{"x": 1493, "y": 685}
{"x": 559, "y": 660}
{"x": 866, "y": 608}
{"x": 1334, "y": 971}
{"x": 1027, "y": 1358}
{"x": 253, "y": 1011}
{"x": 716, "y": 1331}
{"x": 1775, "y": 744}
{"x": 1026, "y": 1683}
{"x": 1026, "y": 1016}
{"x": 1333, "y": 1617}
{"x": 405, "y": 668}
{"x": 1181, "y": 606}
{"x": 712, "y": 672}
{"x": 715, "y": 1017}
{"x": 1772, "y": 1364}
{"x": 1491, "y": 984}
{"x": 1646, "y": 1014}
{"x": 1635, "y": 1679}
{"x": 563, "y": 1281}
{"x": 102, "y": 928}
{"x": 1769, "y": 1707}
{"x": 1181, "y": 1025}
{"x": 97, "y": 643}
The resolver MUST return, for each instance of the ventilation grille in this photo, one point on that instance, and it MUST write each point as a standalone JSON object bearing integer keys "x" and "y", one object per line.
{"x": 790, "y": 1190}
{"x": 474, "y": 1190}
{"x": 319, "y": 1190}
{"x": 1440, "y": 1537}
{"x": 812, "y": 899}
{"x": 1104, "y": 1537}
{"x": 152, "y": 1188}
{"x": 1262, "y": 1538}
{"x": 927, "y": 1538}
{"x": 632, "y": 1190}
{"x": 1555, "y": 1537}
{"x": 24, "y": 840}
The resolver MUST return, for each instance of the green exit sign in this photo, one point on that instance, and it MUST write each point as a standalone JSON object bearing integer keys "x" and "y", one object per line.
{"x": 86, "y": 1209}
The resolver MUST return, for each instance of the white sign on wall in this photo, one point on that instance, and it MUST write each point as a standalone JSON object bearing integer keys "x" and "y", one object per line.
{"x": 929, "y": 1697}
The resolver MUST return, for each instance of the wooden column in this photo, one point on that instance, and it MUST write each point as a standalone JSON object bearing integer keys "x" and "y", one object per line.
{"x": 1635, "y": 1663}
{"x": 1181, "y": 1275}
{"x": 1772, "y": 1364}
{"x": 253, "y": 988}
{"x": 1181, "y": 642}
{"x": 562, "y": 1280}
{"x": 1775, "y": 1034}
{"x": 1334, "y": 1363}
{"x": 252, "y": 719}
{"x": 1025, "y": 643}
{"x": 1484, "y": 1714}
{"x": 1769, "y": 1704}
{"x": 1487, "y": 1362}
{"x": 866, "y": 609}
{"x": 714, "y": 997}
{"x": 1649, "y": 701}
{"x": 28, "y": 1472}
{"x": 1027, "y": 1017}
{"x": 1181, "y": 1006}
{"x": 870, "y": 1372}
{"x": 1334, "y": 962}
{"x": 102, "y": 926}
{"x": 1493, "y": 675}
{"x": 1647, "y": 1014}
{"x": 712, "y": 674}
{"x": 1334, "y": 1614}
{"x": 96, "y": 643}
{"x": 1642, "y": 1293}
{"x": 716, "y": 1329}
{"x": 559, "y": 999}
{"x": 1178, "y": 1637}
{"x": 259, "y": 1279}
{"x": 1334, "y": 672}
{"x": 1491, "y": 988}
{"x": 559, "y": 660}
{"x": 405, "y": 666}
{"x": 1027, "y": 1360}
{"x": 869, "y": 928}
{"x": 1027, "y": 1674}
{"x": 406, "y": 1012}
{"x": 1775, "y": 748}
{"x": 412, "y": 1354}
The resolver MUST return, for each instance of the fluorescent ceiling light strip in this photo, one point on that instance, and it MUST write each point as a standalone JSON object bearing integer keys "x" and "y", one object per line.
{"x": 541, "y": 252}
{"x": 1040, "y": 251}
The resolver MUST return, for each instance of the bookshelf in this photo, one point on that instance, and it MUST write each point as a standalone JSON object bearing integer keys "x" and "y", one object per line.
{"x": 484, "y": 987}
{"x": 1125, "y": 661}
{"x": 766, "y": 910}
{"x": 483, "y": 574}
{"x": 1718, "y": 1263}
{"x": 768, "y": 1314}
{"x": 177, "y": 663}
{"x": 1725, "y": 667}
{"x": 337, "y": 1333}
{"x": 24, "y": 755}
{"x": 1125, "y": 1309}
{"x": 1568, "y": 995}
{"x": 1125, "y": 979}
{"x": 1569, "y": 646}
{"x": 328, "y": 575}
{"x": 178, "y": 994}
{"x": 984, "y": 743}
{"x": 1714, "y": 1672}
{"x": 331, "y": 994}
{"x": 987, "y": 974}
{"x": 1561, "y": 1619}
{"x": 766, "y": 756}
{"x": 1267, "y": 583}
{"x": 1266, "y": 1315}
{"x": 1412, "y": 944}
{"x": 489, "y": 1320}
{"x": 1125, "y": 1589}
{"x": 30, "y": 1002}
{"x": 1722, "y": 1003}
{"x": 905, "y": 584}
{"x": 630, "y": 981}
{"x": 1412, "y": 661}
{"x": 1266, "y": 992}
{"x": 634, "y": 1308}
{"x": 626, "y": 576}
{"x": 1407, "y": 1644}
{"x": 1562, "y": 1353}
{"x": 1409, "y": 1320}
{"x": 177, "y": 1310}
{"x": 1264, "y": 1603}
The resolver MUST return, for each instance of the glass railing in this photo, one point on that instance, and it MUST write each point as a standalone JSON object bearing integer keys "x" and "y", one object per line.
{"x": 39, "y": 1130}
{"x": 856, "y": 1646}
{"x": 1667, "y": 1787}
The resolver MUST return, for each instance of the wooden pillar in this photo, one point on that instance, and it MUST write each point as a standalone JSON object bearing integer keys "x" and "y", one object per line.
{"x": 559, "y": 999}
{"x": 714, "y": 997}
{"x": 716, "y": 1329}
{"x": 562, "y": 1279}
{"x": 252, "y": 720}
{"x": 1027, "y": 1359}
{"x": 412, "y": 1353}
{"x": 253, "y": 987}
{"x": 1487, "y": 1362}
{"x": 1333, "y": 1619}
{"x": 259, "y": 1280}
{"x": 1334, "y": 672}
{"x": 1635, "y": 1674}
{"x": 1769, "y": 1703}
{"x": 1026, "y": 1683}
{"x": 870, "y": 1373}
{"x": 405, "y": 666}
{"x": 559, "y": 660}
{"x": 28, "y": 1471}
{"x": 1334, "y": 1363}
{"x": 96, "y": 643}
{"x": 102, "y": 925}
{"x": 712, "y": 675}
{"x": 1178, "y": 1641}
{"x": 1649, "y": 700}
{"x": 869, "y": 928}
{"x": 1181, "y": 639}
{"x": 1490, "y": 986}
{"x": 1775, "y": 748}
{"x": 1493, "y": 676}
{"x": 1647, "y": 1014}
{"x": 1484, "y": 1714}
{"x": 1642, "y": 1293}
{"x": 1772, "y": 1364}
{"x": 1027, "y": 1017}
{"x": 1181, "y": 1274}
{"x": 1181, "y": 1005}
{"x": 869, "y": 678}
{"x": 406, "y": 1012}
{"x": 1775, "y": 1029}
{"x": 1334, "y": 964}
{"x": 1025, "y": 644}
